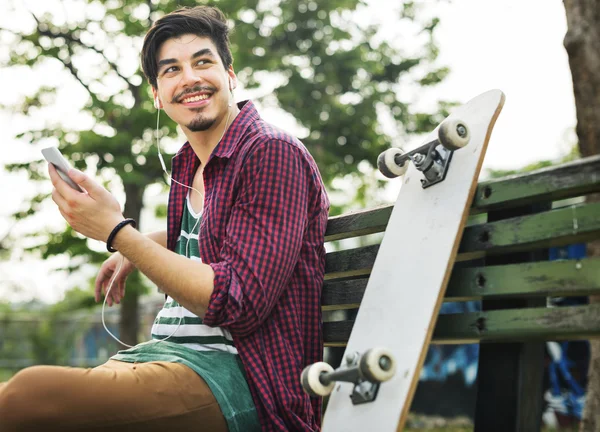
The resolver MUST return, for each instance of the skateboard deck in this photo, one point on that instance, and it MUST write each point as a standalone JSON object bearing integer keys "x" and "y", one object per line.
{"x": 410, "y": 274}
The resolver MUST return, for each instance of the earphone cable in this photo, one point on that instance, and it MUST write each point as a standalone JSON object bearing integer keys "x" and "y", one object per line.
{"x": 162, "y": 162}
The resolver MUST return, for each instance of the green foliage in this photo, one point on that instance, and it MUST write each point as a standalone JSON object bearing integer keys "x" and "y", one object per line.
{"x": 46, "y": 346}
{"x": 42, "y": 334}
{"x": 160, "y": 211}
{"x": 5, "y": 374}
{"x": 317, "y": 50}
{"x": 74, "y": 300}
{"x": 332, "y": 77}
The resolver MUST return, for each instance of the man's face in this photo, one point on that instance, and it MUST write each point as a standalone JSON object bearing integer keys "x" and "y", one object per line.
{"x": 193, "y": 85}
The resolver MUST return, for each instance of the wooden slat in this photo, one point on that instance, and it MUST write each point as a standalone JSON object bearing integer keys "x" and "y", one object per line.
{"x": 571, "y": 179}
{"x": 543, "y": 230}
{"x": 337, "y": 333}
{"x": 568, "y": 180}
{"x": 558, "y": 227}
{"x": 343, "y": 294}
{"x": 567, "y": 278}
{"x": 559, "y": 323}
{"x": 537, "y": 279}
{"x": 350, "y": 262}
{"x": 358, "y": 223}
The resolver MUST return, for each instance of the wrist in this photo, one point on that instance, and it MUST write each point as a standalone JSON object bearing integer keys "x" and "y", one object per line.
{"x": 124, "y": 238}
{"x": 111, "y": 241}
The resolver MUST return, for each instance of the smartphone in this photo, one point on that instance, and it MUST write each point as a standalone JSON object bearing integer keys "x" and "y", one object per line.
{"x": 55, "y": 157}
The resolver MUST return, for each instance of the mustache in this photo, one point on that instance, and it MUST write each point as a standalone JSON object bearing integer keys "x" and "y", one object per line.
{"x": 195, "y": 89}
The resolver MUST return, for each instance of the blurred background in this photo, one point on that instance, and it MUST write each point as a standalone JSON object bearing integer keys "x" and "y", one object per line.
{"x": 350, "y": 78}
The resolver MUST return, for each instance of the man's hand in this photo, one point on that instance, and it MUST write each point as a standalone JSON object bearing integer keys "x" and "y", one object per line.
{"x": 94, "y": 213}
{"x": 108, "y": 269}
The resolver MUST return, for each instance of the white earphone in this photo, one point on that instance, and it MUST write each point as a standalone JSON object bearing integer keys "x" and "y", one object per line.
{"x": 162, "y": 163}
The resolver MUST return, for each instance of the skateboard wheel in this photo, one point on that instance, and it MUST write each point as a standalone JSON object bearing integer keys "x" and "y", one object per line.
{"x": 387, "y": 164}
{"x": 454, "y": 134}
{"x": 311, "y": 382}
{"x": 378, "y": 365}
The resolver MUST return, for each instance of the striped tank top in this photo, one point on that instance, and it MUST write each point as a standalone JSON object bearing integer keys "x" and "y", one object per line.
{"x": 190, "y": 332}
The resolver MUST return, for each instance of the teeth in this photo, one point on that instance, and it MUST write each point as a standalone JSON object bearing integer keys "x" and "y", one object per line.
{"x": 195, "y": 98}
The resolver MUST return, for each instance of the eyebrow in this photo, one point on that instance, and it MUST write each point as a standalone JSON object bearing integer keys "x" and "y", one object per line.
{"x": 203, "y": 52}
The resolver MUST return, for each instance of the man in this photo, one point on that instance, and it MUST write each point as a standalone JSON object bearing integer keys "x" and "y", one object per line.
{"x": 242, "y": 317}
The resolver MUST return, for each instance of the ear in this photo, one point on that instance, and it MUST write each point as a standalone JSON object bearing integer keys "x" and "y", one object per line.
{"x": 157, "y": 102}
{"x": 232, "y": 78}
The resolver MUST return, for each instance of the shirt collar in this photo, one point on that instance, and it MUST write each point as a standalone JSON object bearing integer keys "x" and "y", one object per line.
{"x": 233, "y": 136}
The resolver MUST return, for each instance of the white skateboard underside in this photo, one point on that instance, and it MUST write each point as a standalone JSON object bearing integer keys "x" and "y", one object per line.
{"x": 409, "y": 276}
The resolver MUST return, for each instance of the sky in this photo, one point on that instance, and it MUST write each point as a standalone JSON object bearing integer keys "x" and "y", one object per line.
{"x": 512, "y": 45}
{"x": 516, "y": 46}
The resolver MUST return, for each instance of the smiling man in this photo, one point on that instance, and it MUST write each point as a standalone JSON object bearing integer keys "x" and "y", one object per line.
{"x": 241, "y": 263}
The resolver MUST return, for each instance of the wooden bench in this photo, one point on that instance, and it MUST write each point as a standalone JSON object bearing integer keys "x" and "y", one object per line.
{"x": 502, "y": 262}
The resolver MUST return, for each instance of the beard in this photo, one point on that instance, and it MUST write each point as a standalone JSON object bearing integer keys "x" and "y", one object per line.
{"x": 201, "y": 123}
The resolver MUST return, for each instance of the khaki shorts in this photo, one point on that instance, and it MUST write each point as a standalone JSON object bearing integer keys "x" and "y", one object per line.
{"x": 115, "y": 396}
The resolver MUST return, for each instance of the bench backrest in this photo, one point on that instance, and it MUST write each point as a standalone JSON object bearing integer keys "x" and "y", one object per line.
{"x": 515, "y": 216}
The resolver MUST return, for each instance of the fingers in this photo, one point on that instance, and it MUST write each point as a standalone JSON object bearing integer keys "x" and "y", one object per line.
{"x": 97, "y": 288}
{"x": 120, "y": 290}
{"x": 112, "y": 291}
{"x": 110, "y": 295}
{"x": 109, "y": 284}
{"x": 64, "y": 190}
{"x": 100, "y": 282}
{"x": 93, "y": 189}
{"x": 59, "y": 200}
{"x": 62, "y": 194}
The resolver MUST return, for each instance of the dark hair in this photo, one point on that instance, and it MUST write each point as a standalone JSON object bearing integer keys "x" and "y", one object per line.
{"x": 203, "y": 21}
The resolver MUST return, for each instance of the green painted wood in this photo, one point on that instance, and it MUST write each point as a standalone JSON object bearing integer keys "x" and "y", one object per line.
{"x": 545, "y": 279}
{"x": 558, "y": 323}
{"x": 518, "y": 325}
{"x": 567, "y": 278}
{"x": 337, "y": 333}
{"x": 550, "y": 184}
{"x": 343, "y": 294}
{"x": 358, "y": 223}
{"x": 503, "y": 394}
{"x": 350, "y": 262}
{"x": 558, "y": 227}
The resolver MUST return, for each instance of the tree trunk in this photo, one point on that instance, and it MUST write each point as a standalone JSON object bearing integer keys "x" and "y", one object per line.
{"x": 582, "y": 43}
{"x": 129, "y": 323}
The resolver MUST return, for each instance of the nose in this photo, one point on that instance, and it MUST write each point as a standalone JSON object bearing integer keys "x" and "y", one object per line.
{"x": 189, "y": 76}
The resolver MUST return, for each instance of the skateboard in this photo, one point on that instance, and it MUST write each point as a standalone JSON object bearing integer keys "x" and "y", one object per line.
{"x": 374, "y": 386}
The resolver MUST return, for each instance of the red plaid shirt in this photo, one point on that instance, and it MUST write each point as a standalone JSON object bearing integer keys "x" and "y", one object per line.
{"x": 262, "y": 231}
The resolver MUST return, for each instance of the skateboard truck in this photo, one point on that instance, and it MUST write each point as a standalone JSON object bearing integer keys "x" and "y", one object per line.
{"x": 432, "y": 159}
{"x": 366, "y": 372}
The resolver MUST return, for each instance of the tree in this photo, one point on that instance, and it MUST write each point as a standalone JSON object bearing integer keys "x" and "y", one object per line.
{"x": 329, "y": 73}
{"x": 40, "y": 333}
{"x": 582, "y": 43}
